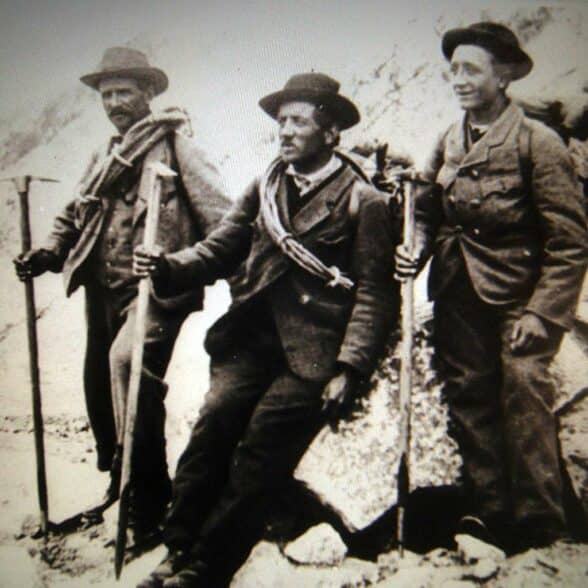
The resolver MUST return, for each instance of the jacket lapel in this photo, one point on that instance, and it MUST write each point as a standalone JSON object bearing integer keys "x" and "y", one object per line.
{"x": 282, "y": 201}
{"x": 319, "y": 208}
{"x": 495, "y": 135}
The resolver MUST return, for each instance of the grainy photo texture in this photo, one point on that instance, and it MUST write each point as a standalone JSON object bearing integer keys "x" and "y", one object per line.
{"x": 293, "y": 294}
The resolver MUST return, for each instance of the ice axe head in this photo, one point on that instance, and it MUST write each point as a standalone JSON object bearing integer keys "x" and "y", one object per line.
{"x": 22, "y": 183}
{"x": 162, "y": 170}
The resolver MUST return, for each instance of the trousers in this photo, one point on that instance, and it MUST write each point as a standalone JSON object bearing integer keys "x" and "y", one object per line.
{"x": 110, "y": 316}
{"x": 500, "y": 407}
{"x": 257, "y": 420}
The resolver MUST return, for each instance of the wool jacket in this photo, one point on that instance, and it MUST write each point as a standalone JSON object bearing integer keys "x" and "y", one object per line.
{"x": 191, "y": 205}
{"x": 318, "y": 325}
{"x": 520, "y": 232}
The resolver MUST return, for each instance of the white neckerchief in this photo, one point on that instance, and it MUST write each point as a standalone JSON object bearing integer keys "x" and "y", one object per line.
{"x": 306, "y": 182}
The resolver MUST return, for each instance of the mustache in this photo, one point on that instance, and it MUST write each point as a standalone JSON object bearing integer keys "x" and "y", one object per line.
{"x": 119, "y": 110}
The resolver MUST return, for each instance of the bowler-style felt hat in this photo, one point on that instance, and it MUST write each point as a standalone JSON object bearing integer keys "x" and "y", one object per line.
{"x": 126, "y": 62}
{"x": 495, "y": 38}
{"x": 318, "y": 89}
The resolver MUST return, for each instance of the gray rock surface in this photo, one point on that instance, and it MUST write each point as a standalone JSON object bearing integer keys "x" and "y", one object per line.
{"x": 354, "y": 470}
{"x": 321, "y": 545}
{"x": 473, "y": 551}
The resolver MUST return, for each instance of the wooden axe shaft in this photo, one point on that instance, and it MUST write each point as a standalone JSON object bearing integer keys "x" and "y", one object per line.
{"x": 407, "y": 296}
{"x": 25, "y": 229}
{"x": 132, "y": 400}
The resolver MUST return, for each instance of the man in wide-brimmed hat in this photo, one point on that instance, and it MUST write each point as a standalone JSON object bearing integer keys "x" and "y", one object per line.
{"x": 313, "y": 302}
{"x": 92, "y": 242}
{"x": 507, "y": 232}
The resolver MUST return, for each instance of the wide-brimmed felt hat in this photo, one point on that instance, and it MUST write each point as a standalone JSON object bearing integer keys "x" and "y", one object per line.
{"x": 126, "y": 62}
{"x": 495, "y": 38}
{"x": 318, "y": 89}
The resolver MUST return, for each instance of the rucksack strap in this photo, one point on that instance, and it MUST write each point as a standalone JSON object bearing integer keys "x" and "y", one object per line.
{"x": 354, "y": 202}
{"x": 525, "y": 157}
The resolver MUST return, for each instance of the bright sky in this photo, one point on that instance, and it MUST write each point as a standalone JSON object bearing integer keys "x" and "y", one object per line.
{"x": 46, "y": 44}
{"x": 223, "y": 55}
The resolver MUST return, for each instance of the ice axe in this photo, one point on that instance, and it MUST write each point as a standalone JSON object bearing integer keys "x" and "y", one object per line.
{"x": 22, "y": 185}
{"x": 157, "y": 171}
{"x": 406, "y": 180}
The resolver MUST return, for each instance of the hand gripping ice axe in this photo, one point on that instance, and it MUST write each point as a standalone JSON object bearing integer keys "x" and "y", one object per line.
{"x": 157, "y": 171}
{"x": 22, "y": 185}
{"x": 406, "y": 180}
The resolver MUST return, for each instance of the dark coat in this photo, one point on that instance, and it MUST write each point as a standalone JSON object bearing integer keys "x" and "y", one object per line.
{"x": 317, "y": 325}
{"x": 192, "y": 205}
{"x": 522, "y": 235}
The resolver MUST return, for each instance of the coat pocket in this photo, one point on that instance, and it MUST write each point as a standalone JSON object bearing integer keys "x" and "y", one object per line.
{"x": 504, "y": 184}
{"x": 333, "y": 249}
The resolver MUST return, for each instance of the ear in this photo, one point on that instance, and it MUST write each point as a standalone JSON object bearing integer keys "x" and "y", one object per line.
{"x": 505, "y": 76}
{"x": 331, "y": 134}
{"x": 149, "y": 92}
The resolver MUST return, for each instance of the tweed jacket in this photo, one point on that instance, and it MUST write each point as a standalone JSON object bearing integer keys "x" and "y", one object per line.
{"x": 192, "y": 205}
{"x": 318, "y": 325}
{"x": 521, "y": 233}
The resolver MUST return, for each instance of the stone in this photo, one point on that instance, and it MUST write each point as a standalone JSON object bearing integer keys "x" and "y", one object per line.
{"x": 320, "y": 545}
{"x": 265, "y": 568}
{"x": 391, "y": 562}
{"x": 440, "y": 558}
{"x": 483, "y": 570}
{"x": 472, "y": 550}
{"x": 268, "y": 568}
{"x": 354, "y": 470}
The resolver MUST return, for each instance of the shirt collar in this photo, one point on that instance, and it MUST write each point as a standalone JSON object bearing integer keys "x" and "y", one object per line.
{"x": 307, "y": 182}
{"x": 114, "y": 141}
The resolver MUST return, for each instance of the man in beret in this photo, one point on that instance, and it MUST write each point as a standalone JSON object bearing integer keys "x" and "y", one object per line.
{"x": 507, "y": 232}
{"x": 313, "y": 301}
{"x": 92, "y": 242}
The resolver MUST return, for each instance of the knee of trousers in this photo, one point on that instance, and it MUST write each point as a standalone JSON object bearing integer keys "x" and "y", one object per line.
{"x": 527, "y": 379}
{"x": 471, "y": 387}
{"x": 119, "y": 357}
{"x": 251, "y": 470}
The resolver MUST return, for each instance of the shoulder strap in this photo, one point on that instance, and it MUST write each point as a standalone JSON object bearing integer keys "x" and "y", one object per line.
{"x": 354, "y": 202}
{"x": 173, "y": 164}
{"x": 525, "y": 158}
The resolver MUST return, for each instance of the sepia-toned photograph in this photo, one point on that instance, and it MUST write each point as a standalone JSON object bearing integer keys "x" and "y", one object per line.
{"x": 293, "y": 294}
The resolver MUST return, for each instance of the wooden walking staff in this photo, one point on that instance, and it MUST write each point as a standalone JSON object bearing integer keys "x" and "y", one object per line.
{"x": 22, "y": 185}
{"x": 407, "y": 297}
{"x": 157, "y": 171}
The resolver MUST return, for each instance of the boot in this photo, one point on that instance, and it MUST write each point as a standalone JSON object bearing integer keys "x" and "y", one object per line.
{"x": 172, "y": 563}
{"x": 192, "y": 575}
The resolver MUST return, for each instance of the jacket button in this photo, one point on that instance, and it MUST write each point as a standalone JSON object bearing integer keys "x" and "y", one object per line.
{"x": 304, "y": 299}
